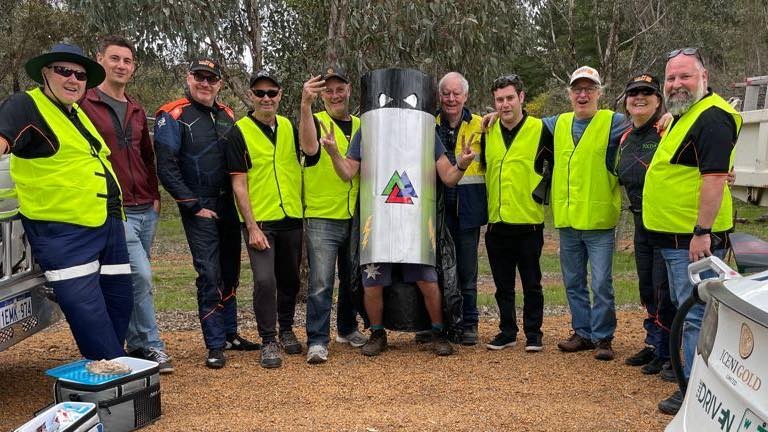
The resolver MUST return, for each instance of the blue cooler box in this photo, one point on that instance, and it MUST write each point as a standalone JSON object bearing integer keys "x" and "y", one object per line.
{"x": 125, "y": 402}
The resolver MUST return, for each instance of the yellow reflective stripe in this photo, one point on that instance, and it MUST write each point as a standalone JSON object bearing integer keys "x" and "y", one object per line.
{"x": 472, "y": 179}
{"x": 72, "y": 272}
{"x": 116, "y": 269}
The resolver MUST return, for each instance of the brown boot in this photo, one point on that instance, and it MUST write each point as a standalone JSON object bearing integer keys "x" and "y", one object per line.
{"x": 575, "y": 343}
{"x": 376, "y": 344}
{"x": 604, "y": 351}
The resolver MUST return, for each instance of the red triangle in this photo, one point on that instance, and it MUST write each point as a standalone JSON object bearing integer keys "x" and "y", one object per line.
{"x": 393, "y": 197}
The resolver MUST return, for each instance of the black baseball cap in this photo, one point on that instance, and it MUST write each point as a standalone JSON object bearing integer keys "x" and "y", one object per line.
{"x": 263, "y": 74}
{"x": 644, "y": 81}
{"x": 335, "y": 71}
{"x": 206, "y": 65}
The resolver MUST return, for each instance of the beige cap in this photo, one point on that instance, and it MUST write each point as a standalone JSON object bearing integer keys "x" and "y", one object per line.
{"x": 586, "y": 72}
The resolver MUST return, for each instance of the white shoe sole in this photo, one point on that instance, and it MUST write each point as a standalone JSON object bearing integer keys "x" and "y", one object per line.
{"x": 500, "y": 347}
{"x": 534, "y": 348}
{"x": 344, "y": 340}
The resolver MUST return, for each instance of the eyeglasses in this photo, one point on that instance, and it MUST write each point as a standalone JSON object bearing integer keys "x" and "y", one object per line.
{"x": 67, "y": 72}
{"x": 272, "y": 93}
{"x": 585, "y": 90}
{"x": 689, "y": 51}
{"x": 645, "y": 91}
{"x": 507, "y": 80}
{"x": 212, "y": 79}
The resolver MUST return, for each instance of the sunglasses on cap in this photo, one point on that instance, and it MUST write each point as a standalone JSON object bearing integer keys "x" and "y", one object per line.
{"x": 212, "y": 79}
{"x": 67, "y": 72}
{"x": 645, "y": 91}
{"x": 507, "y": 80}
{"x": 689, "y": 51}
{"x": 272, "y": 93}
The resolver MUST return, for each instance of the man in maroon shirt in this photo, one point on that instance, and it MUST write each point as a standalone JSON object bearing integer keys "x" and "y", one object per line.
{"x": 122, "y": 123}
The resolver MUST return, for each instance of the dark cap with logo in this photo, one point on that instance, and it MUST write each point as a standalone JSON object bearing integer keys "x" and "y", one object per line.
{"x": 644, "y": 81}
{"x": 260, "y": 75}
{"x": 335, "y": 71}
{"x": 205, "y": 65}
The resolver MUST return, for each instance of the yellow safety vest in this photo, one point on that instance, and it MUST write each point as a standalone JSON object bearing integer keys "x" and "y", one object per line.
{"x": 671, "y": 192}
{"x": 326, "y": 195}
{"x": 585, "y": 195}
{"x": 274, "y": 179}
{"x": 510, "y": 177}
{"x": 71, "y": 185}
{"x": 470, "y": 132}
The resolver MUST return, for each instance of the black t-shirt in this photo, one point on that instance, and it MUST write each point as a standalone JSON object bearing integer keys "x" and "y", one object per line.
{"x": 633, "y": 158}
{"x": 30, "y": 137}
{"x": 344, "y": 125}
{"x": 707, "y": 146}
{"x": 239, "y": 161}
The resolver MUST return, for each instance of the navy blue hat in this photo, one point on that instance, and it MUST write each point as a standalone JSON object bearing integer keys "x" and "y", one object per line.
{"x": 263, "y": 74}
{"x": 68, "y": 53}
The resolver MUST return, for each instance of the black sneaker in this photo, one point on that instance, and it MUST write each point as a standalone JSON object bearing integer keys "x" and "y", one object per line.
{"x": 653, "y": 367}
{"x": 672, "y": 404}
{"x": 290, "y": 342}
{"x": 216, "y": 359}
{"x": 441, "y": 346}
{"x": 160, "y": 357}
{"x": 667, "y": 373}
{"x": 238, "y": 343}
{"x": 469, "y": 336}
{"x": 376, "y": 344}
{"x": 533, "y": 344}
{"x": 642, "y": 357}
{"x": 271, "y": 355}
{"x": 500, "y": 342}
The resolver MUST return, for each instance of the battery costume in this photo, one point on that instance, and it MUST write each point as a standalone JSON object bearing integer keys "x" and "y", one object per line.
{"x": 70, "y": 205}
{"x": 401, "y": 218}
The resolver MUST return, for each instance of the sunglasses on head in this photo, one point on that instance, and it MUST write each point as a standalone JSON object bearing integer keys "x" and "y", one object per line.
{"x": 67, "y": 72}
{"x": 507, "y": 80}
{"x": 272, "y": 93}
{"x": 212, "y": 79}
{"x": 645, "y": 91}
{"x": 689, "y": 51}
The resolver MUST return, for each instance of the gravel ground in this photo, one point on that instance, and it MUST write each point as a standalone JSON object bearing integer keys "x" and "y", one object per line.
{"x": 405, "y": 389}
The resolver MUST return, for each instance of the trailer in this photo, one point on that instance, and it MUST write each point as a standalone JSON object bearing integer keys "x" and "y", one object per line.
{"x": 26, "y": 304}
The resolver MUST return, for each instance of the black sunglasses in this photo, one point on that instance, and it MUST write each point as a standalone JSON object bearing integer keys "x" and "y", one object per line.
{"x": 67, "y": 72}
{"x": 212, "y": 79}
{"x": 261, "y": 93}
{"x": 689, "y": 51}
{"x": 507, "y": 80}
{"x": 645, "y": 91}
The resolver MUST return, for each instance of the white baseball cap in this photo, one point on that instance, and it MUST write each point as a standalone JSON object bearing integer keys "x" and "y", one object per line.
{"x": 586, "y": 72}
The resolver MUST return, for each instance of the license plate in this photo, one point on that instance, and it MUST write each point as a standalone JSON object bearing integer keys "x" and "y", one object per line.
{"x": 752, "y": 423}
{"x": 15, "y": 309}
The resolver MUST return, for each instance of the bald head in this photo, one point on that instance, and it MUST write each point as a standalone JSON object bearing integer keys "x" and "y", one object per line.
{"x": 685, "y": 83}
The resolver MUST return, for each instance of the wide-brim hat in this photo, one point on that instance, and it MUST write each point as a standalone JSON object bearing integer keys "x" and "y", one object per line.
{"x": 68, "y": 53}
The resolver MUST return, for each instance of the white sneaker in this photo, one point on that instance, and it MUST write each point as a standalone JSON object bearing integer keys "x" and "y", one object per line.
{"x": 356, "y": 339}
{"x": 317, "y": 354}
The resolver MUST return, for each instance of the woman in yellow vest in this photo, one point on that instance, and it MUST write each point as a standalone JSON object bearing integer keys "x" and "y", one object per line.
{"x": 69, "y": 199}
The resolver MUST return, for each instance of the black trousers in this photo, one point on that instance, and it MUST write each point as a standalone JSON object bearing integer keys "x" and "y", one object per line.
{"x": 508, "y": 250}
{"x": 275, "y": 280}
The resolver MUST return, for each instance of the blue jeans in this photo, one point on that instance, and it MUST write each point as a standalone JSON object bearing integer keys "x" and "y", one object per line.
{"x": 466, "y": 242}
{"x": 327, "y": 244}
{"x": 680, "y": 288}
{"x": 595, "y": 321}
{"x": 139, "y": 233}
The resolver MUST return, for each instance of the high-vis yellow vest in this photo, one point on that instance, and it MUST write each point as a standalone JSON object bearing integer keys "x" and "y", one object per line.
{"x": 71, "y": 185}
{"x": 510, "y": 177}
{"x": 274, "y": 179}
{"x": 470, "y": 132}
{"x": 671, "y": 192}
{"x": 326, "y": 195}
{"x": 585, "y": 195}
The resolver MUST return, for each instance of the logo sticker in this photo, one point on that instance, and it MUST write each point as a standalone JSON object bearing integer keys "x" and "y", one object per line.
{"x": 746, "y": 341}
{"x": 399, "y": 190}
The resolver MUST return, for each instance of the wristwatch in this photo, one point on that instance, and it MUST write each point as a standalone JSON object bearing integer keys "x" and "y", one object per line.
{"x": 698, "y": 230}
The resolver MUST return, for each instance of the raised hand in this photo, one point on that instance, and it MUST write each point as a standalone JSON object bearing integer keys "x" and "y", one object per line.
{"x": 328, "y": 140}
{"x": 312, "y": 89}
{"x": 488, "y": 121}
{"x": 467, "y": 154}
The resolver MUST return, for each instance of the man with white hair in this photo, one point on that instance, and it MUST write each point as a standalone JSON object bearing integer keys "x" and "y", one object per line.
{"x": 686, "y": 203}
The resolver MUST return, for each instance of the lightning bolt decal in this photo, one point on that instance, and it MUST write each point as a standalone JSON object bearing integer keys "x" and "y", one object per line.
{"x": 432, "y": 234}
{"x": 367, "y": 231}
